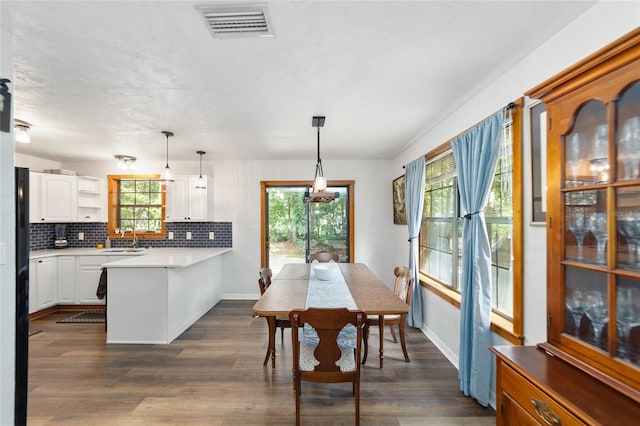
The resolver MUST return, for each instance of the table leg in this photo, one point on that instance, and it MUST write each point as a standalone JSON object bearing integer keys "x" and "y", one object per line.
{"x": 271, "y": 347}
{"x": 402, "y": 327}
{"x": 381, "y": 325}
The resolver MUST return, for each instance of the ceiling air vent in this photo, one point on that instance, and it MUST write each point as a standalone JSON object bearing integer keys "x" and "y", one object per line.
{"x": 237, "y": 20}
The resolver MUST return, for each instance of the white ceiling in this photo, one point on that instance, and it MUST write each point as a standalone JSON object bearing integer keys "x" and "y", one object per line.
{"x": 102, "y": 78}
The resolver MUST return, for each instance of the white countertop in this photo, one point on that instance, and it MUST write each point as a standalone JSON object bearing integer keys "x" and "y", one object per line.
{"x": 148, "y": 258}
{"x": 168, "y": 258}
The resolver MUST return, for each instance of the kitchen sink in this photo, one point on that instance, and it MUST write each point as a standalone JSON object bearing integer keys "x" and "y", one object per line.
{"x": 124, "y": 250}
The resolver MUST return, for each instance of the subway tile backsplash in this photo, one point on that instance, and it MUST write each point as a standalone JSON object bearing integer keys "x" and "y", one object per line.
{"x": 42, "y": 235}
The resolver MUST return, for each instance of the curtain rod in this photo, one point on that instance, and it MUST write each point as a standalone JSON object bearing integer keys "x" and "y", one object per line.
{"x": 510, "y": 105}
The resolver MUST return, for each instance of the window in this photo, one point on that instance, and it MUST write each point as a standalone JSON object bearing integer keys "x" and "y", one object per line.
{"x": 441, "y": 231}
{"x": 136, "y": 202}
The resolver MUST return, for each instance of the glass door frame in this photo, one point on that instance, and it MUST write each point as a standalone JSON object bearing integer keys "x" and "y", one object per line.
{"x": 264, "y": 232}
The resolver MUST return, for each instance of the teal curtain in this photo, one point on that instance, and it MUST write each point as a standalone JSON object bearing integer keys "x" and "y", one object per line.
{"x": 414, "y": 201}
{"x": 476, "y": 154}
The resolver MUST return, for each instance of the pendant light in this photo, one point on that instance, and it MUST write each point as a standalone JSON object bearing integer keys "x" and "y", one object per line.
{"x": 167, "y": 175}
{"x": 319, "y": 192}
{"x": 201, "y": 183}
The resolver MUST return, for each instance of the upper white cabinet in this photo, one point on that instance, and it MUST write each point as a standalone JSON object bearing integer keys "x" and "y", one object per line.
{"x": 34, "y": 197}
{"x": 63, "y": 198}
{"x": 89, "y": 199}
{"x": 53, "y": 198}
{"x": 186, "y": 203}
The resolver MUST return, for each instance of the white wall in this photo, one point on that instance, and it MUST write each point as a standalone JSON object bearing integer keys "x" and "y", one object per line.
{"x": 236, "y": 185}
{"x": 7, "y": 237}
{"x": 597, "y": 27}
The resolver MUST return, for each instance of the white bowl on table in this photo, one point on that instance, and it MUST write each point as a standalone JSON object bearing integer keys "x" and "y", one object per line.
{"x": 325, "y": 271}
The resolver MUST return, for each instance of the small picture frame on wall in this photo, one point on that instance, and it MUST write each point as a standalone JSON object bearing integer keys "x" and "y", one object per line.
{"x": 399, "y": 207}
{"x": 538, "y": 127}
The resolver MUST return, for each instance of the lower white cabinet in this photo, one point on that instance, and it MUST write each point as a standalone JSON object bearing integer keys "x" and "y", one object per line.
{"x": 66, "y": 280}
{"x": 88, "y": 269}
{"x": 43, "y": 282}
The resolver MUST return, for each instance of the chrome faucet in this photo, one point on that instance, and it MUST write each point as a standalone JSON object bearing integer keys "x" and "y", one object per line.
{"x": 134, "y": 240}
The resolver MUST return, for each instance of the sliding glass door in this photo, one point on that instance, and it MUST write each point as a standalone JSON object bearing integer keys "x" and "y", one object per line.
{"x": 293, "y": 229}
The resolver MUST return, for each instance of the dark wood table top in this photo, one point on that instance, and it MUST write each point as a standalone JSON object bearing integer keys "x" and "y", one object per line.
{"x": 288, "y": 291}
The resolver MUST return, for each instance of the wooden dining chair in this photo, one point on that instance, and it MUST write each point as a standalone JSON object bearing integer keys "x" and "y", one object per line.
{"x": 264, "y": 281}
{"x": 321, "y": 359}
{"x": 323, "y": 257}
{"x": 402, "y": 288}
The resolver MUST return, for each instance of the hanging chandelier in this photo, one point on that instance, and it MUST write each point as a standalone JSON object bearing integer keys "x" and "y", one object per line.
{"x": 319, "y": 192}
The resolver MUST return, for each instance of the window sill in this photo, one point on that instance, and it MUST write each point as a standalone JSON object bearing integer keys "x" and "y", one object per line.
{"x": 499, "y": 325}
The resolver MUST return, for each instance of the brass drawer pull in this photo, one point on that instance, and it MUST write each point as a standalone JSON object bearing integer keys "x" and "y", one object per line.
{"x": 545, "y": 412}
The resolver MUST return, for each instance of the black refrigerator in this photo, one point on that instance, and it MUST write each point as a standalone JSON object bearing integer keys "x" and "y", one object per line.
{"x": 22, "y": 295}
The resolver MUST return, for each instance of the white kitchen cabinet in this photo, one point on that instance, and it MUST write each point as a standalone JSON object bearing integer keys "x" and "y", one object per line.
{"x": 43, "y": 281}
{"x": 88, "y": 269}
{"x": 186, "y": 203}
{"x": 89, "y": 199}
{"x": 66, "y": 280}
{"x": 34, "y": 197}
{"x": 58, "y": 198}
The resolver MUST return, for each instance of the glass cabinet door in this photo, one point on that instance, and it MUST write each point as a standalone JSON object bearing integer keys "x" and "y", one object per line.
{"x": 586, "y": 147}
{"x": 628, "y": 135}
{"x": 602, "y": 226}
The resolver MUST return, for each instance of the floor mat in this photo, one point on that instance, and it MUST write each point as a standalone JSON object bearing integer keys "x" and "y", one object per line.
{"x": 92, "y": 315}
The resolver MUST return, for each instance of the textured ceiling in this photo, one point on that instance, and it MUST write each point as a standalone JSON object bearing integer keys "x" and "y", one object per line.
{"x": 99, "y": 78}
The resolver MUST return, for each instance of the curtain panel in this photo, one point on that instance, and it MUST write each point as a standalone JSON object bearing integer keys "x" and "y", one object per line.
{"x": 414, "y": 201}
{"x": 476, "y": 154}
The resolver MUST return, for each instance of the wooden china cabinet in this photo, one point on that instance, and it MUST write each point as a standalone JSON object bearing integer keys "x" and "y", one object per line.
{"x": 588, "y": 371}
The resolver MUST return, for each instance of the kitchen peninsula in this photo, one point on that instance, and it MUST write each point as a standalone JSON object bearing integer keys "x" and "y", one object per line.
{"x": 154, "y": 298}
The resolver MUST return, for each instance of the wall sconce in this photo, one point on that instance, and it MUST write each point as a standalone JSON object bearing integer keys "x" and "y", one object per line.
{"x": 125, "y": 162}
{"x": 22, "y": 130}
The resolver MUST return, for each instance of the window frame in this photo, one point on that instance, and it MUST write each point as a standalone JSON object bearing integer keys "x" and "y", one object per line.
{"x": 510, "y": 329}
{"x": 113, "y": 207}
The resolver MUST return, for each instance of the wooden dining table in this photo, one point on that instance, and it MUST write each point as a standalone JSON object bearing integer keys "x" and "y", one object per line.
{"x": 288, "y": 291}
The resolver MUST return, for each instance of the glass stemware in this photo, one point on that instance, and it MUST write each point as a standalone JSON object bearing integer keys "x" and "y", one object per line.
{"x": 628, "y": 317}
{"x": 575, "y": 303}
{"x": 625, "y": 149}
{"x": 598, "y": 227}
{"x": 579, "y": 229}
{"x": 625, "y": 228}
{"x": 632, "y": 148}
{"x": 573, "y": 154}
{"x": 598, "y": 313}
{"x": 599, "y": 158}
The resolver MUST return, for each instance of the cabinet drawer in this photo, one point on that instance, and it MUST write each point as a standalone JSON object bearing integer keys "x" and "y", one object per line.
{"x": 538, "y": 404}
{"x": 91, "y": 260}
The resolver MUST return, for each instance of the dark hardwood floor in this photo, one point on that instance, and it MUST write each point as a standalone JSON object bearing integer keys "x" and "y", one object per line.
{"x": 213, "y": 375}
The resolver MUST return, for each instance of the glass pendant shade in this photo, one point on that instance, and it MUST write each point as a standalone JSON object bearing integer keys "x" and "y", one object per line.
{"x": 201, "y": 183}
{"x": 167, "y": 174}
{"x": 22, "y": 131}
{"x": 319, "y": 184}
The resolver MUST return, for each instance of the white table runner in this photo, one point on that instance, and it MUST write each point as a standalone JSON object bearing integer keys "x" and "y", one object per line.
{"x": 332, "y": 293}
